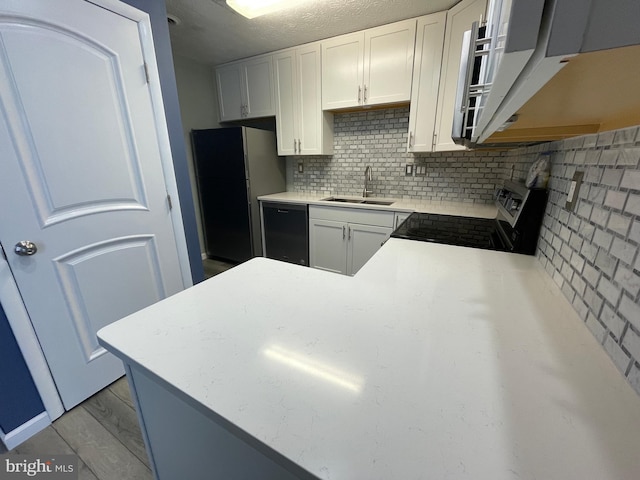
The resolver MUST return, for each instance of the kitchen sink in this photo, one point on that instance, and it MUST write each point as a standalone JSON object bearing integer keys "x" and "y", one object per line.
{"x": 356, "y": 200}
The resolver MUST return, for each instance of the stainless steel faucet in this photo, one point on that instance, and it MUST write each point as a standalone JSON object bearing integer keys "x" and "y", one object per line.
{"x": 367, "y": 178}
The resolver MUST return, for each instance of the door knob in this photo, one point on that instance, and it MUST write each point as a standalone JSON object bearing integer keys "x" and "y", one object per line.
{"x": 25, "y": 248}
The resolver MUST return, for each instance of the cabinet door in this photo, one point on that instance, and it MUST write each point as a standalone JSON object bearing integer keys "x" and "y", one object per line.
{"x": 258, "y": 87}
{"x": 426, "y": 79}
{"x": 364, "y": 242}
{"x": 388, "y": 63}
{"x": 310, "y": 116}
{"x": 459, "y": 20}
{"x": 342, "y": 71}
{"x": 399, "y": 217}
{"x": 285, "y": 80}
{"x": 229, "y": 86}
{"x": 328, "y": 245}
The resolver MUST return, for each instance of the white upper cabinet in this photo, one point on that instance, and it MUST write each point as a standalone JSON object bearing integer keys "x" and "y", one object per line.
{"x": 459, "y": 20}
{"x": 367, "y": 68}
{"x": 426, "y": 80}
{"x": 302, "y": 127}
{"x": 245, "y": 89}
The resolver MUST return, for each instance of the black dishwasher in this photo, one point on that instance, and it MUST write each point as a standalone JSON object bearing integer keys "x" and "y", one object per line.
{"x": 286, "y": 232}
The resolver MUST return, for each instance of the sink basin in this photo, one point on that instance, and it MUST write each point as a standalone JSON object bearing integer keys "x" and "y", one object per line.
{"x": 340, "y": 199}
{"x": 356, "y": 200}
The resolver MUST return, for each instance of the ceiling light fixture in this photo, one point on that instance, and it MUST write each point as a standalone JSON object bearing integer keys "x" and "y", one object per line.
{"x": 256, "y": 8}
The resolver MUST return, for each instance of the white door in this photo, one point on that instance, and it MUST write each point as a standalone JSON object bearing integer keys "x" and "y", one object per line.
{"x": 328, "y": 245}
{"x": 426, "y": 81}
{"x": 364, "y": 242}
{"x": 229, "y": 82}
{"x": 286, "y": 131}
{"x": 388, "y": 63}
{"x": 342, "y": 71}
{"x": 81, "y": 178}
{"x": 258, "y": 87}
{"x": 459, "y": 19}
{"x": 309, "y": 79}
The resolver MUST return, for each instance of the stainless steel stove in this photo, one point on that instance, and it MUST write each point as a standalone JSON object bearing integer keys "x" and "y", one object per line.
{"x": 515, "y": 228}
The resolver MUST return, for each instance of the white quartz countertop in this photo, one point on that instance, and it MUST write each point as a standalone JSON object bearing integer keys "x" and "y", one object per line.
{"x": 461, "y": 209}
{"x": 433, "y": 362}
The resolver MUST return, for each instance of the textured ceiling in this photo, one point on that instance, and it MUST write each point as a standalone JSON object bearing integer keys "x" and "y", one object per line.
{"x": 212, "y": 33}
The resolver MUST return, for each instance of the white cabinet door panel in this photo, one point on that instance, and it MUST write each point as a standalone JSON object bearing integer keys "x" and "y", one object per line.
{"x": 342, "y": 71}
{"x": 459, "y": 20}
{"x": 286, "y": 121}
{"x": 388, "y": 63}
{"x": 258, "y": 87}
{"x": 230, "y": 99}
{"x": 426, "y": 80}
{"x": 328, "y": 245}
{"x": 310, "y": 127}
{"x": 364, "y": 242}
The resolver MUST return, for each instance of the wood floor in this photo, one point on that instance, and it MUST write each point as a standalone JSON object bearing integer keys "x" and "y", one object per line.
{"x": 103, "y": 431}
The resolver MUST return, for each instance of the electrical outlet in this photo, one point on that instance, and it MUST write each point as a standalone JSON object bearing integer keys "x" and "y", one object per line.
{"x": 300, "y": 167}
{"x": 408, "y": 169}
{"x": 421, "y": 170}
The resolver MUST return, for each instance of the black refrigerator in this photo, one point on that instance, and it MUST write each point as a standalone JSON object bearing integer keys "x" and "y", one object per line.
{"x": 233, "y": 167}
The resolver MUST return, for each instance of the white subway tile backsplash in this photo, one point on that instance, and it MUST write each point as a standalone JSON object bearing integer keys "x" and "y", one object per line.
{"x": 631, "y": 179}
{"x": 631, "y": 341}
{"x": 630, "y": 310}
{"x": 617, "y": 354}
{"x": 613, "y": 322}
{"x": 598, "y": 265}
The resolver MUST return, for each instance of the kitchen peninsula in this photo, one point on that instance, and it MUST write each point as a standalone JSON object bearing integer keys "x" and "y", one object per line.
{"x": 433, "y": 362}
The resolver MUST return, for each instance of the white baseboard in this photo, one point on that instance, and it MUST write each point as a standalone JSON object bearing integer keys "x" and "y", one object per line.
{"x": 25, "y": 431}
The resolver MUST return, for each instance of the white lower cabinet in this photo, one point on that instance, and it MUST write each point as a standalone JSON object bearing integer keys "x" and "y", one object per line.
{"x": 342, "y": 240}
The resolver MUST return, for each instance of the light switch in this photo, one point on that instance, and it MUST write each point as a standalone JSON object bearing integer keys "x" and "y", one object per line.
{"x": 300, "y": 167}
{"x": 408, "y": 169}
{"x": 421, "y": 170}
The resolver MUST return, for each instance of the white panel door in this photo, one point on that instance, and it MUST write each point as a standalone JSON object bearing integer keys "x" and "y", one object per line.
{"x": 286, "y": 105}
{"x": 342, "y": 71}
{"x": 258, "y": 87}
{"x": 230, "y": 98}
{"x": 81, "y": 177}
{"x": 364, "y": 242}
{"x": 459, "y": 20}
{"x": 328, "y": 245}
{"x": 388, "y": 63}
{"x": 426, "y": 80}
{"x": 310, "y": 124}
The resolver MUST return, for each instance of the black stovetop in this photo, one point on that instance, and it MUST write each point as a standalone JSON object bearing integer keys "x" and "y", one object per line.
{"x": 451, "y": 230}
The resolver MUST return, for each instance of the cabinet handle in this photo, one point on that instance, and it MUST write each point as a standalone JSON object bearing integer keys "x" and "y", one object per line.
{"x": 349, "y": 230}
{"x": 294, "y": 146}
{"x": 365, "y": 95}
{"x": 299, "y": 146}
{"x": 359, "y": 94}
{"x": 343, "y": 232}
{"x": 410, "y": 139}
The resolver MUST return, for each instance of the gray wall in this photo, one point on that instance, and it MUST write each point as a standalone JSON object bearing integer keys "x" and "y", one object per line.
{"x": 592, "y": 252}
{"x": 379, "y": 138}
{"x": 199, "y": 109}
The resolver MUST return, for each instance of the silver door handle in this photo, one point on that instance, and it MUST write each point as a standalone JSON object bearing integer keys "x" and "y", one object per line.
{"x": 349, "y": 230}
{"x": 343, "y": 232}
{"x": 25, "y": 248}
{"x": 299, "y": 146}
{"x": 410, "y": 139}
{"x": 364, "y": 98}
{"x": 294, "y": 146}
{"x": 359, "y": 94}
